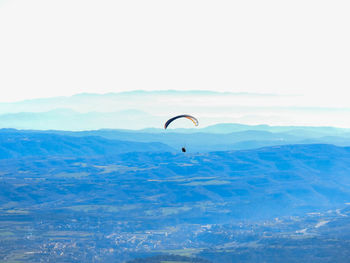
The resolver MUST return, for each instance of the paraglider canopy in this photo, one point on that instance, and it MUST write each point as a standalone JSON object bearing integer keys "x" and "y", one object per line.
{"x": 193, "y": 119}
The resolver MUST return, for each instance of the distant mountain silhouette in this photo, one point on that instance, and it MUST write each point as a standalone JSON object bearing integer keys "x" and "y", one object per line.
{"x": 67, "y": 119}
{"x": 98, "y": 111}
{"x": 91, "y": 101}
{"x": 309, "y": 131}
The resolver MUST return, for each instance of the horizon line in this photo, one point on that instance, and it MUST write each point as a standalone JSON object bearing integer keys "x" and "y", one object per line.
{"x": 214, "y": 92}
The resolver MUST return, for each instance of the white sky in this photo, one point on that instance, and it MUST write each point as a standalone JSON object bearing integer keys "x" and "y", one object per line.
{"x": 50, "y": 48}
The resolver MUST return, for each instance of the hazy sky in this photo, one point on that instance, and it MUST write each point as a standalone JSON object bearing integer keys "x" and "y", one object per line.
{"x": 50, "y": 48}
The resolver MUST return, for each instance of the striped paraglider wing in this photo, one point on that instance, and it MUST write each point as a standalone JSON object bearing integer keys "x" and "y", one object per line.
{"x": 193, "y": 119}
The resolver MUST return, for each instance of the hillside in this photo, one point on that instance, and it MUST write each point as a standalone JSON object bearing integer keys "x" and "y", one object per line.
{"x": 15, "y": 144}
{"x": 83, "y": 201}
{"x": 200, "y": 141}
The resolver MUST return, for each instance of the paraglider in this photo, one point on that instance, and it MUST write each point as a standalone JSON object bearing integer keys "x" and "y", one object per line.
{"x": 193, "y": 119}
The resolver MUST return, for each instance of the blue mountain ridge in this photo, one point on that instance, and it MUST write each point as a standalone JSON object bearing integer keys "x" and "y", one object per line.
{"x": 73, "y": 198}
{"x": 202, "y": 141}
{"x": 14, "y": 144}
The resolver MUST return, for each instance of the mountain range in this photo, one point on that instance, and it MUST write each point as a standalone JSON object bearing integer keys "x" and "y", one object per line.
{"x": 14, "y": 144}
{"x": 221, "y": 137}
{"x": 117, "y": 195}
{"x": 147, "y": 109}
